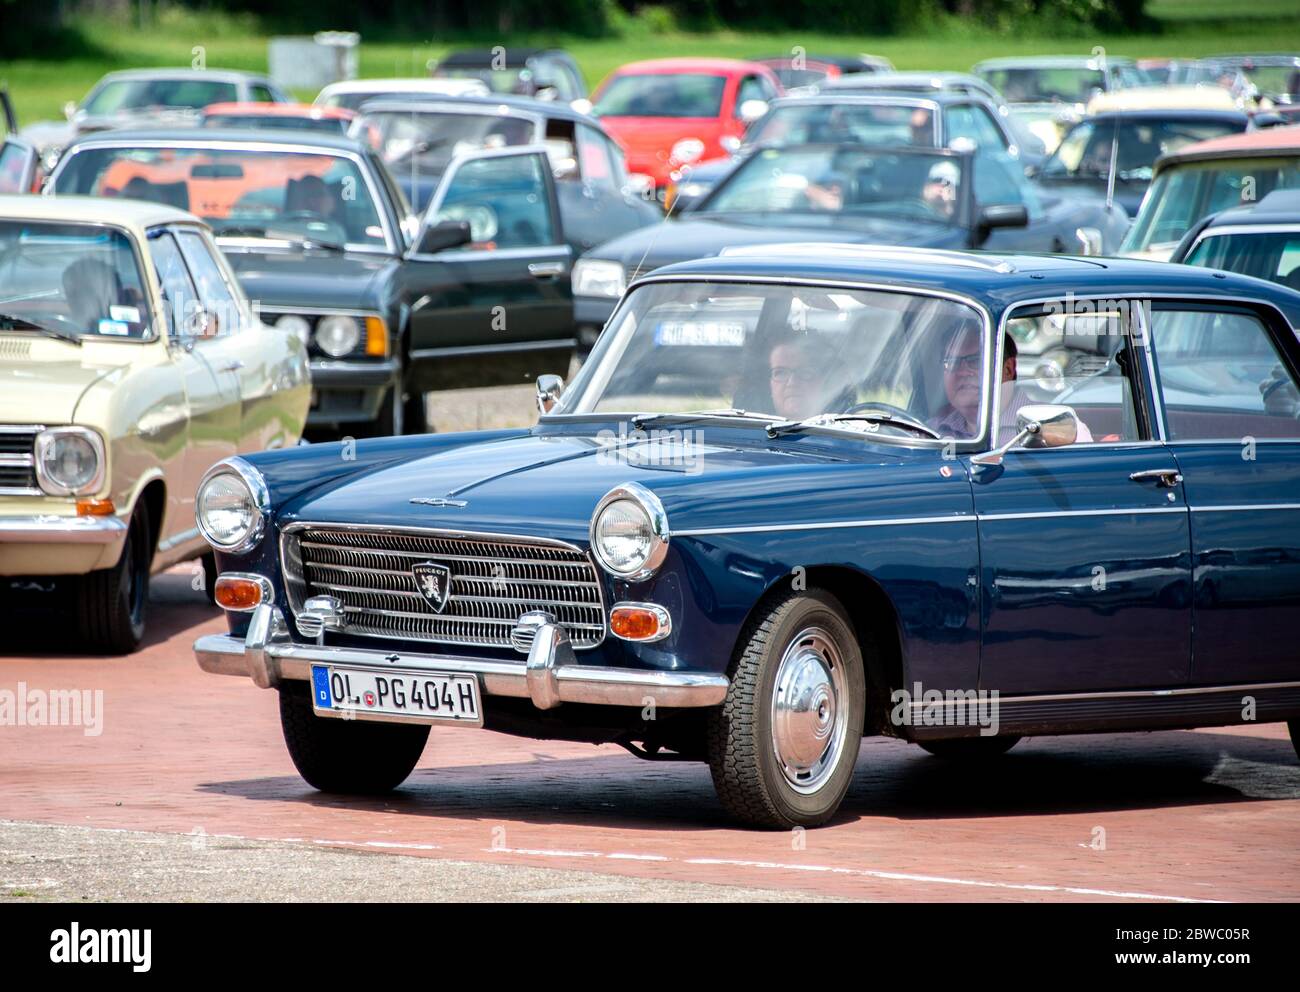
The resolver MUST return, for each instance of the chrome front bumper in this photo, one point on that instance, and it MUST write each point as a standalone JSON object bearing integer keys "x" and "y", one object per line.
{"x": 549, "y": 676}
{"x": 60, "y": 529}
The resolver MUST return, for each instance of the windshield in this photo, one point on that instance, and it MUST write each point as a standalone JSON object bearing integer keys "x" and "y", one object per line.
{"x": 1045, "y": 85}
{"x": 841, "y": 184}
{"x": 76, "y": 279}
{"x": 427, "y": 142}
{"x": 1182, "y": 195}
{"x": 137, "y": 94}
{"x": 787, "y": 352}
{"x": 1085, "y": 151}
{"x": 662, "y": 95}
{"x": 859, "y": 124}
{"x": 1272, "y": 255}
{"x": 240, "y": 192}
{"x": 279, "y": 122}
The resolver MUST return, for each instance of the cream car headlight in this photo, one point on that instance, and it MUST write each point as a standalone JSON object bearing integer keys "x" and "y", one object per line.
{"x": 629, "y": 532}
{"x": 593, "y": 277}
{"x": 69, "y": 461}
{"x": 231, "y": 506}
{"x": 338, "y": 335}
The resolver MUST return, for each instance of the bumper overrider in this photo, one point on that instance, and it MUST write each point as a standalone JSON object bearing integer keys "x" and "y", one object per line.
{"x": 550, "y": 676}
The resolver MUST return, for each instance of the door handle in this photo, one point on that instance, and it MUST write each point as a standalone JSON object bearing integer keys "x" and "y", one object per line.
{"x": 233, "y": 366}
{"x": 545, "y": 270}
{"x": 1166, "y": 478}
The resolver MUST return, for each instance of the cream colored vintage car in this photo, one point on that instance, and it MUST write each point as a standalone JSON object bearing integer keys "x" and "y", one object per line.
{"x": 130, "y": 361}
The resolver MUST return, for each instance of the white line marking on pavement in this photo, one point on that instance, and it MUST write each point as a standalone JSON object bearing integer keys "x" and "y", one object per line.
{"x": 893, "y": 876}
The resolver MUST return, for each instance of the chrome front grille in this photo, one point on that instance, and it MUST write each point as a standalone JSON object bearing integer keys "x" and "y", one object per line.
{"x": 18, "y": 460}
{"x": 494, "y": 581}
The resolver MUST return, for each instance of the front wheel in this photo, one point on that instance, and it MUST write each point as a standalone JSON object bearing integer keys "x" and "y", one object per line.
{"x": 784, "y": 742}
{"x": 347, "y": 756}
{"x": 969, "y": 748}
{"x": 111, "y": 602}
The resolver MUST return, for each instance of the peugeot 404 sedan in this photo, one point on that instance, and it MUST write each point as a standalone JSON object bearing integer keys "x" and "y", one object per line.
{"x": 798, "y": 495}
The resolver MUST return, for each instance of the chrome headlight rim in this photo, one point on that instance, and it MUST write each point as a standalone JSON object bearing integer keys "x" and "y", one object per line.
{"x": 660, "y": 534}
{"x": 52, "y": 486}
{"x": 260, "y": 496}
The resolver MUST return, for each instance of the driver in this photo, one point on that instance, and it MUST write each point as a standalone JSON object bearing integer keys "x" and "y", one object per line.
{"x": 940, "y": 189}
{"x": 91, "y": 288}
{"x": 315, "y": 196}
{"x": 963, "y": 361}
{"x": 827, "y": 193}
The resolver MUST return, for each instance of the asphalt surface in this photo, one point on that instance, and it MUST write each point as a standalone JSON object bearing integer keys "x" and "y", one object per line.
{"x": 180, "y": 788}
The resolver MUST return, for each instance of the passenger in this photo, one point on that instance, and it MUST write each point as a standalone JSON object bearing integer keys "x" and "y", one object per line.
{"x": 800, "y": 370}
{"x": 940, "y": 189}
{"x": 963, "y": 365}
{"x": 826, "y": 194}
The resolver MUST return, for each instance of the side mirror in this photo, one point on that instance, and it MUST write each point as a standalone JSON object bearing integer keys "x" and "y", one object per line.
{"x": 549, "y": 390}
{"x": 1002, "y": 215}
{"x": 1040, "y": 425}
{"x": 752, "y": 110}
{"x": 444, "y": 235}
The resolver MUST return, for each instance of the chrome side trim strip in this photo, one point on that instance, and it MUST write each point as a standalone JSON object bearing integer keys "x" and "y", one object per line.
{"x": 758, "y": 528}
{"x": 493, "y": 349}
{"x": 1115, "y": 694}
{"x": 1117, "y": 512}
{"x": 1238, "y": 507}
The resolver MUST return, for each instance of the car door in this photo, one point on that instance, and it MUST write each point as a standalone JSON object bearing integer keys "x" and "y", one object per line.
{"x": 593, "y": 201}
{"x": 211, "y": 397}
{"x": 1229, "y": 376}
{"x": 500, "y": 309}
{"x": 1084, "y": 549}
{"x": 1000, "y": 180}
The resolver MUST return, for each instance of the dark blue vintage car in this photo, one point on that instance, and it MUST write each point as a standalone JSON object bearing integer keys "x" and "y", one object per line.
{"x": 796, "y": 496}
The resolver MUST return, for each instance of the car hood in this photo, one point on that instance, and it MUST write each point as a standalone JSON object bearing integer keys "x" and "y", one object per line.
{"x": 311, "y": 279}
{"x": 702, "y": 236}
{"x": 1128, "y": 193}
{"x": 547, "y": 484}
{"x": 47, "y": 386}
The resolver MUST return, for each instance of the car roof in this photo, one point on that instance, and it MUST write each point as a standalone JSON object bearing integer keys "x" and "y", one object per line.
{"x": 1251, "y": 144}
{"x": 1282, "y": 206}
{"x": 232, "y": 75}
{"x": 712, "y": 65}
{"x": 1192, "y": 114}
{"x": 137, "y": 215}
{"x": 523, "y": 104}
{"x": 1049, "y": 62}
{"x": 888, "y": 99}
{"x": 254, "y": 108}
{"x": 997, "y": 281}
{"x": 514, "y": 57}
{"x": 428, "y": 84}
{"x": 210, "y": 135}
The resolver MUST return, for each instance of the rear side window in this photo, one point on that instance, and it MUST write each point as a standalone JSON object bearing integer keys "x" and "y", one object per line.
{"x": 1221, "y": 376}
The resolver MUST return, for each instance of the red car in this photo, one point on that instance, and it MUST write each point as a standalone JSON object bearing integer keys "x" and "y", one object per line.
{"x": 667, "y": 113}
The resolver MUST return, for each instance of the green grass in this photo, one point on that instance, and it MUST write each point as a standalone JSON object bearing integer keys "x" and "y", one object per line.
{"x": 1188, "y": 28}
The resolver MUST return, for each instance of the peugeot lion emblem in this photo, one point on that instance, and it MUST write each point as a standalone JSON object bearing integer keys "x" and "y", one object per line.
{"x": 434, "y": 582}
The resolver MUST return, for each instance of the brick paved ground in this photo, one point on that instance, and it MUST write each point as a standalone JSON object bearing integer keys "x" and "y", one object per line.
{"x": 1182, "y": 815}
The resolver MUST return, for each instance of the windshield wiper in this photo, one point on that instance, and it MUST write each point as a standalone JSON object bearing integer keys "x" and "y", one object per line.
{"x": 23, "y": 324}
{"x": 640, "y": 420}
{"x": 825, "y": 419}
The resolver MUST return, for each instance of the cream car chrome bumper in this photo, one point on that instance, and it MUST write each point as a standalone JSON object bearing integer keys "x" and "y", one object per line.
{"x": 549, "y": 676}
{"x": 53, "y": 544}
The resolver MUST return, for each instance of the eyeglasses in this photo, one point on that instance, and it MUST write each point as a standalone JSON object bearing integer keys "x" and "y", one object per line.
{"x": 783, "y": 375}
{"x": 964, "y": 363}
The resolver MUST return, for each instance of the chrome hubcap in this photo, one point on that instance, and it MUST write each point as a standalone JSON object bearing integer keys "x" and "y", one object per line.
{"x": 809, "y": 720}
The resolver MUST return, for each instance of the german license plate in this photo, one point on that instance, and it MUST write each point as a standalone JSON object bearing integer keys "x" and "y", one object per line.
{"x": 423, "y": 696}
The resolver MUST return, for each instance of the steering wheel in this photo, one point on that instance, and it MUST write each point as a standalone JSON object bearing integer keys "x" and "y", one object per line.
{"x": 897, "y": 413}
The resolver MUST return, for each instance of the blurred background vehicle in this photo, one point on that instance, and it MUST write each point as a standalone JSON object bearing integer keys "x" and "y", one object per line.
{"x": 147, "y": 97}
{"x": 1049, "y": 93}
{"x": 1138, "y": 138}
{"x": 352, "y": 93}
{"x": 937, "y": 120}
{"x": 1275, "y": 77}
{"x": 21, "y": 169}
{"x": 799, "y": 72}
{"x": 668, "y": 113}
{"x": 544, "y": 73}
{"x": 418, "y": 139}
{"x": 1258, "y": 239}
{"x": 1204, "y": 178}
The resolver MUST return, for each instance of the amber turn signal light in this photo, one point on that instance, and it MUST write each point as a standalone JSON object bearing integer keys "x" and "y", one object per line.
{"x": 639, "y": 622}
{"x": 95, "y": 508}
{"x": 239, "y": 592}
{"x": 376, "y": 337}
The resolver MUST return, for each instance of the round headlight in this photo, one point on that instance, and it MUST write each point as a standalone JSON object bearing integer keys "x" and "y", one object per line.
{"x": 69, "y": 461}
{"x": 229, "y": 508}
{"x": 299, "y": 326}
{"x": 338, "y": 335}
{"x": 629, "y": 532}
